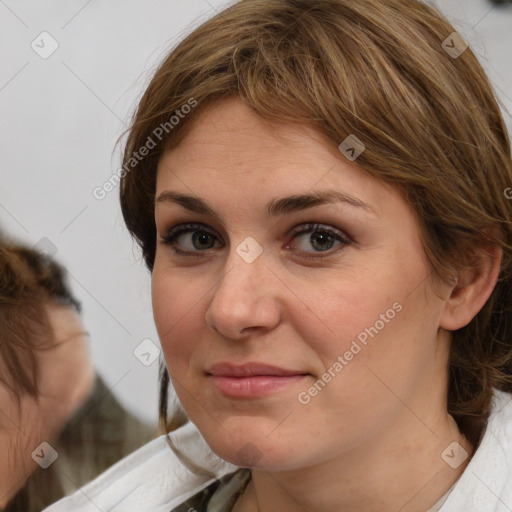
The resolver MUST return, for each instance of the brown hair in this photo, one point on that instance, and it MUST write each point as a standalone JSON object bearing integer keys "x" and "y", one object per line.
{"x": 28, "y": 279}
{"x": 376, "y": 69}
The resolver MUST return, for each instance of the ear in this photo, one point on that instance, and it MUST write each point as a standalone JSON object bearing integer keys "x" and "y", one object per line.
{"x": 472, "y": 289}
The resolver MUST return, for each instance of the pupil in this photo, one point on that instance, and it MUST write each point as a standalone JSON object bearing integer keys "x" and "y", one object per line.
{"x": 322, "y": 238}
{"x": 200, "y": 238}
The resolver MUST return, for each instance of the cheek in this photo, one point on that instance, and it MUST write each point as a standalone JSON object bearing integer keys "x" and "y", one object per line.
{"x": 344, "y": 307}
{"x": 177, "y": 306}
{"x": 370, "y": 318}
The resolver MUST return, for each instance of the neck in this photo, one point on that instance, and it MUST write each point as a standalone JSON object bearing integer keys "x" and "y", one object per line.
{"x": 402, "y": 470}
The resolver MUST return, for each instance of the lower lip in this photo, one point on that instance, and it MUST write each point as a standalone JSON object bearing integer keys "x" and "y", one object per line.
{"x": 253, "y": 387}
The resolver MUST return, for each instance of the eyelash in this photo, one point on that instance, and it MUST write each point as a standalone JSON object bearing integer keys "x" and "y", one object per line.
{"x": 174, "y": 233}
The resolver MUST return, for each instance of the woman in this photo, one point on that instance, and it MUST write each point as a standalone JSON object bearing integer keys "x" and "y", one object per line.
{"x": 318, "y": 191}
{"x": 60, "y": 426}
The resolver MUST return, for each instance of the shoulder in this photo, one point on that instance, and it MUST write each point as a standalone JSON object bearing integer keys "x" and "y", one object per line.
{"x": 150, "y": 479}
{"x": 487, "y": 480}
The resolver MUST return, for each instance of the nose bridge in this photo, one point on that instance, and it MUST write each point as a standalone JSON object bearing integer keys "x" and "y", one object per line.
{"x": 246, "y": 267}
{"x": 243, "y": 297}
{"x": 242, "y": 280}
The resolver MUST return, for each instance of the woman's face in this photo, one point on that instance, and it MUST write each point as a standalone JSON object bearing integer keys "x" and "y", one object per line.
{"x": 331, "y": 294}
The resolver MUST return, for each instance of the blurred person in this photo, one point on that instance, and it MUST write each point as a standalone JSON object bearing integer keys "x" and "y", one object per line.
{"x": 49, "y": 391}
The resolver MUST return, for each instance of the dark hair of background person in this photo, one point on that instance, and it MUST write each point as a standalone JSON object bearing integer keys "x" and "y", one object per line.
{"x": 375, "y": 69}
{"x": 101, "y": 431}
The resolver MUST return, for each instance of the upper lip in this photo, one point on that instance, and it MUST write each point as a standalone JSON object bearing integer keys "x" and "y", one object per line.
{"x": 249, "y": 370}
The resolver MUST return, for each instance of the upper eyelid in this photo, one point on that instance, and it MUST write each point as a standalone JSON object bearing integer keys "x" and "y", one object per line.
{"x": 299, "y": 229}
{"x": 189, "y": 226}
{"x": 318, "y": 226}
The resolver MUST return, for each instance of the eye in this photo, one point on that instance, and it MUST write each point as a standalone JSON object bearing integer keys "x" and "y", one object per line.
{"x": 192, "y": 238}
{"x": 321, "y": 238}
{"x": 195, "y": 240}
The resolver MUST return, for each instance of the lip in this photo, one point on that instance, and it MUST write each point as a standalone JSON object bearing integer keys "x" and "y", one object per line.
{"x": 251, "y": 380}
{"x": 251, "y": 369}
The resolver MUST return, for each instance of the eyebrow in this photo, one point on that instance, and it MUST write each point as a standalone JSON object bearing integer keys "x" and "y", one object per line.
{"x": 275, "y": 207}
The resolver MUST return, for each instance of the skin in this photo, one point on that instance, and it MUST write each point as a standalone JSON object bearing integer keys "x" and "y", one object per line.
{"x": 372, "y": 439}
{"x": 66, "y": 380}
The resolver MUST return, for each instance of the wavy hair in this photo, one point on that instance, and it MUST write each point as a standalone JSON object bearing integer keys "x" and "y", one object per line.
{"x": 379, "y": 70}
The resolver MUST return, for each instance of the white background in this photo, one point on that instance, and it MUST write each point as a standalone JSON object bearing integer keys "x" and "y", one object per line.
{"x": 60, "y": 119}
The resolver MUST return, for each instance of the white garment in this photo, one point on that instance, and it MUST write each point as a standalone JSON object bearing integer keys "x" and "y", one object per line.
{"x": 486, "y": 484}
{"x": 152, "y": 479}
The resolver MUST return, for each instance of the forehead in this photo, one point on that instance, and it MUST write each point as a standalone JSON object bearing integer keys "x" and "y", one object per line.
{"x": 237, "y": 154}
{"x": 228, "y": 138}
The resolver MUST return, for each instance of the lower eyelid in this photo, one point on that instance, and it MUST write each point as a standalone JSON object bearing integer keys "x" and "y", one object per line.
{"x": 316, "y": 255}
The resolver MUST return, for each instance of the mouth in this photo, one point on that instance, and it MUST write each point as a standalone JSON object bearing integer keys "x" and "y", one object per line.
{"x": 252, "y": 380}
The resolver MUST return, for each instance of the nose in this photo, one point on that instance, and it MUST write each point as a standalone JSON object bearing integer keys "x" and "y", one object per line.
{"x": 245, "y": 300}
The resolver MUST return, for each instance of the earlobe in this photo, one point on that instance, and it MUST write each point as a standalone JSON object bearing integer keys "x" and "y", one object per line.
{"x": 473, "y": 288}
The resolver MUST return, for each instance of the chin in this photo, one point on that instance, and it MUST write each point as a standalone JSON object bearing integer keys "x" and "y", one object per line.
{"x": 251, "y": 447}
